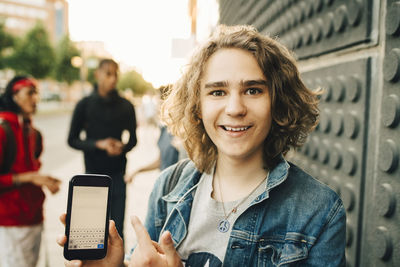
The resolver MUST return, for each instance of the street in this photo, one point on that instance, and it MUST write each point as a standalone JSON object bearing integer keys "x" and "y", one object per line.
{"x": 61, "y": 161}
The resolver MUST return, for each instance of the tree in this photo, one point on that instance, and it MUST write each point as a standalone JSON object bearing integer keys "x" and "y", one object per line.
{"x": 34, "y": 54}
{"x": 132, "y": 80}
{"x": 63, "y": 69}
{"x": 6, "y": 41}
{"x": 91, "y": 69}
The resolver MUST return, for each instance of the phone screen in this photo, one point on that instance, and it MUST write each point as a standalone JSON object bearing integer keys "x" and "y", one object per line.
{"x": 88, "y": 217}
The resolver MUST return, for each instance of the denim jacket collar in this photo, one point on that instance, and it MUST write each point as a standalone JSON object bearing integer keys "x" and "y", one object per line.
{"x": 183, "y": 193}
{"x": 275, "y": 177}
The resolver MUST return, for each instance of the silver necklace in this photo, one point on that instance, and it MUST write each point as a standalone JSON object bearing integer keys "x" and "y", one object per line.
{"x": 224, "y": 224}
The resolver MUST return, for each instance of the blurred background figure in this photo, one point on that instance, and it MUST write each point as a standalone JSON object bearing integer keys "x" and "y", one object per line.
{"x": 103, "y": 116}
{"x": 21, "y": 194}
{"x": 170, "y": 147}
{"x": 149, "y": 109}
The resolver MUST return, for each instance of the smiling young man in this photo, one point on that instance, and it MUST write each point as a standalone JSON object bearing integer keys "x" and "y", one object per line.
{"x": 239, "y": 107}
{"x": 21, "y": 194}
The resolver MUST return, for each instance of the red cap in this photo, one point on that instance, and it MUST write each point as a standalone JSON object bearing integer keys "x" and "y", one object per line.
{"x": 28, "y": 82}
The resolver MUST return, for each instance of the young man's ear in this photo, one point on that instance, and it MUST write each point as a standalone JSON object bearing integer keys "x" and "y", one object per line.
{"x": 15, "y": 98}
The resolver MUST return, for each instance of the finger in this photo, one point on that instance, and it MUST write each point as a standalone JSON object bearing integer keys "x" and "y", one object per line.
{"x": 113, "y": 152}
{"x": 56, "y": 186}
{"x": 53, "y": 188}
{"x": 167, "y": 245}
{"x": 63, "y": 218}
{"x": 61, "y": 240}
{"x": 116, "y": 142}
{"x": 127, "y": 179}
{"x": 116, "y": 151}
{"x": 57, "y": 189}
{"x": 52, "y": 184}
{"x": 114, "y": 237}
{"x": 143, "y": 237}
{"x": 74, "y": 263}
{"x": 158, "y": 247}
{"x": 55, "y": 180}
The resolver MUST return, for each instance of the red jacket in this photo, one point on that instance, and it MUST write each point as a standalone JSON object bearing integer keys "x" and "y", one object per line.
{"x": 19, "y": 205}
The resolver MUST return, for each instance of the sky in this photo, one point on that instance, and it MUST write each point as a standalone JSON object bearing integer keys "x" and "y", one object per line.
{"x": 137, "y": 33}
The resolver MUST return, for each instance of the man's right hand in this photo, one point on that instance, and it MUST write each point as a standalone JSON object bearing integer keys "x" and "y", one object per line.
{"x": 112, "y": 146}
{"x": 149, "y": 253}
{"x": 115, "y": 250}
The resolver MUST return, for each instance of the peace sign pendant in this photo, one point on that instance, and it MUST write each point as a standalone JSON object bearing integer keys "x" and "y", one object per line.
{"x": 223, "y": 226}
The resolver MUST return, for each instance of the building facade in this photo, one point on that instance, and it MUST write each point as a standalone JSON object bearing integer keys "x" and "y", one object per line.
{"x": 350, "y": 48}
{"x": 19, "y": 16}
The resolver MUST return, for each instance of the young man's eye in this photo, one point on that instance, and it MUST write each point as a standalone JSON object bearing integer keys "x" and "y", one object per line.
{"x": 32, "y": 92}
{"x": 217, "y": 93}
{"x": 253, "y": 91}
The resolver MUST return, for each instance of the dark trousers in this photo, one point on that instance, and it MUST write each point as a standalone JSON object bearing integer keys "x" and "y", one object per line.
{"x": 118, "y": 201}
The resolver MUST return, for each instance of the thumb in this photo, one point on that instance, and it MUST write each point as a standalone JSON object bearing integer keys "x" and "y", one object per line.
{"x": 114, "y": 238}
{"x": 128, "y": 178}
{"x": 167, "y": 245}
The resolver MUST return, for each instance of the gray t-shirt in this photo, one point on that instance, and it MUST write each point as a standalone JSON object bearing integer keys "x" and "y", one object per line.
{"x": 204, "y": 244}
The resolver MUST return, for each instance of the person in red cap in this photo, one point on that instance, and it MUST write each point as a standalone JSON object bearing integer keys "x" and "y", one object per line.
{"x": 21, "y": 194}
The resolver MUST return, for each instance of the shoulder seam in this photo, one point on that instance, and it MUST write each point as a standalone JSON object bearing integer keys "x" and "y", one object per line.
{"x": 336, "y": 209}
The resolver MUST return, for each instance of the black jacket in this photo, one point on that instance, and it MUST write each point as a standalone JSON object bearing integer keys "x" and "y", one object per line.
{"x": 100, "y": 118}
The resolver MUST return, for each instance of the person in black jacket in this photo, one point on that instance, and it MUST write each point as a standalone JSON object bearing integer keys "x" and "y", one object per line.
{"x": 104, "y": 116}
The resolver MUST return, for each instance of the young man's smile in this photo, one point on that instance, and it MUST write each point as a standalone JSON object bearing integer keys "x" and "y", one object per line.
{"x": 235, "y": 103}
{"x": 235, "y": 131}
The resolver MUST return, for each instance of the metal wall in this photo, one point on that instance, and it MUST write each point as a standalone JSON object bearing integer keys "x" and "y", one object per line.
{"x": 351, "y": 48}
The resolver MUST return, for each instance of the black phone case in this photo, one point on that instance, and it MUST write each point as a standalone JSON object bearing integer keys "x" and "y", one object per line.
{"x": 95, "y": 180}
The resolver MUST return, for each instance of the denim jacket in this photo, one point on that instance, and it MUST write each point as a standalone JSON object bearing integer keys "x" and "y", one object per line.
{"x": 296, "y": 221}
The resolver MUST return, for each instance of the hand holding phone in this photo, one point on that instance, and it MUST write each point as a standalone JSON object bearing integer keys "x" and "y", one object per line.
{"x": 115, "y": 249}
{"x": 87, "y": 220}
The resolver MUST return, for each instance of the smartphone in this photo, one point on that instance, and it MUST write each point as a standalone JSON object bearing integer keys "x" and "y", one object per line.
{"x": 88, "y": 213}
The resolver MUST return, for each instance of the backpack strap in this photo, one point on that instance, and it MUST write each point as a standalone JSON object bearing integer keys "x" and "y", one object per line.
{"x": 175, "y": 175}
{"x": 38, "y": 143}
{"x": 9, "y": 149}
{"x": 172, "y": 181}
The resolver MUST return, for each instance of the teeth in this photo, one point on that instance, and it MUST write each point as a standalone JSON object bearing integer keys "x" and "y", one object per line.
{"x": 238, "y": 129}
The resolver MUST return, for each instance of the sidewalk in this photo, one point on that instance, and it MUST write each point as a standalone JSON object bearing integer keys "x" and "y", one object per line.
{"x": 137, "y": 196}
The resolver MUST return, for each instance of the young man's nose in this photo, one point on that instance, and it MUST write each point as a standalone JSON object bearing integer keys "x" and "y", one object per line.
{"x": 235, "y": 105}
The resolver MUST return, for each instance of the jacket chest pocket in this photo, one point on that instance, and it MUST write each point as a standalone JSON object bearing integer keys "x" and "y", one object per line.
{"x": 281, "y": 253}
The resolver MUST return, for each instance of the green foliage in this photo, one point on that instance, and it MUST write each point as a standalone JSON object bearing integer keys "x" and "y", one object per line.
{"x": 63, "y": 70}
{"x": 132, "y": 80}
{"x": 6, "y": 41}
{"x": 34, "y": 54}
{"x": 90, "y": 77}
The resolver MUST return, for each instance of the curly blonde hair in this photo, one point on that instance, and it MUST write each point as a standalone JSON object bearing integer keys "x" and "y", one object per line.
{"x": 294, "y": 107}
